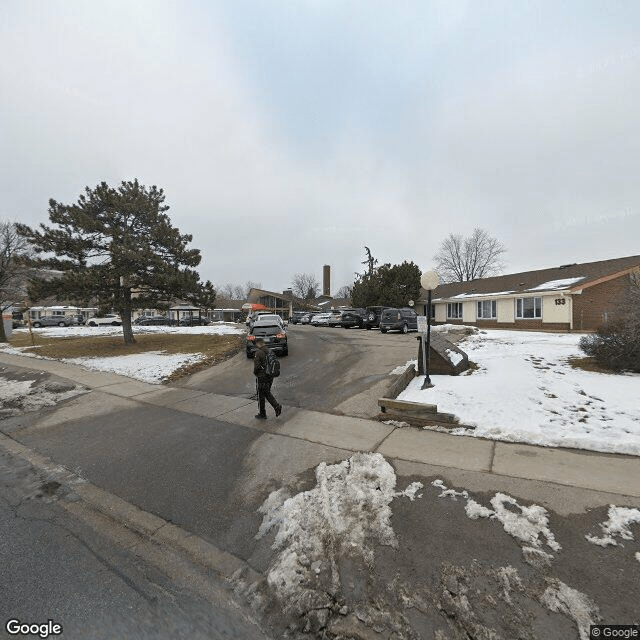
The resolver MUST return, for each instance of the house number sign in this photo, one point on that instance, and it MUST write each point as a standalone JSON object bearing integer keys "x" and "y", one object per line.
{"x": 560, "y": 301}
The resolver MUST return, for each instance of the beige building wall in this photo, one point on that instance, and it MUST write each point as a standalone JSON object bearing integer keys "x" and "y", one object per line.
{"x": 469, "y": 311}
{"x": 552, "y": 312}
{"x": 506, "y": 310}
{"x": 441, "y": 312}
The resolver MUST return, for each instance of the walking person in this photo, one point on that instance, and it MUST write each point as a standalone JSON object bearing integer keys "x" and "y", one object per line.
{"x": 264, "y": 381}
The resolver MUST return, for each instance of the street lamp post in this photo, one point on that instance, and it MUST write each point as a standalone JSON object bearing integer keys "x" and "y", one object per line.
{"x": 429, "y": 281}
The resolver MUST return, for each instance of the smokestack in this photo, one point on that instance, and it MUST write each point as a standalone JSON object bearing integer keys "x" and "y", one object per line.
{"x": 326, "y": 280}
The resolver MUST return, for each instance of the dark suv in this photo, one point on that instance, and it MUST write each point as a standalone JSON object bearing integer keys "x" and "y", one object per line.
{"x": 372, "y": 317}
{"x": 273, "y": 335}
{"x": 297, "y": 316}
{"x": 352, "y": 318}
{"x": 404, "y": 320}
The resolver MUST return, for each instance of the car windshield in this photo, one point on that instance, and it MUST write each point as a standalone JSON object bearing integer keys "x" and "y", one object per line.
{"x": 266, "y": 330}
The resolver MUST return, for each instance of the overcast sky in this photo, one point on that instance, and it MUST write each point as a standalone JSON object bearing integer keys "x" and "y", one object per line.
{"x": 289, "y": 134}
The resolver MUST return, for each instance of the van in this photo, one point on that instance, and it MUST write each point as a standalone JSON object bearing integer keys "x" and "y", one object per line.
{"x": 403, "y": 320}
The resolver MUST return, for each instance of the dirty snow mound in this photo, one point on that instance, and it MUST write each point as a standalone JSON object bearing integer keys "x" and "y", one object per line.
{"x": 525, "y": 523}
{"x": 563, "y": 599}
{"x": 346, "y": 511}
{"x": 24, "y": 396}
{"x": 618, "y": 524}
{"x": 528, "y": 525}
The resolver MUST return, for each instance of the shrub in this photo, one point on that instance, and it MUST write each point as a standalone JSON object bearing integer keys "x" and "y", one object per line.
{"x": 616, "y": 345}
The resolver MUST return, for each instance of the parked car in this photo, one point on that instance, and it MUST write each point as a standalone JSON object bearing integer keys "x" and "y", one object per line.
{"x": 320, "y": 319}
{"x": 274, "y": 336}
{"x": 353, "y": 318}
{"x": 306, "y": 319}
{"x": 266, "y": 319}
{"x": 404, "y": 320}
{"x": 372, "y": 317}
{"x": 109, "y": 318}
{"x": 145, "y": 321}
{"x": 52, "y": 321}
{"x": 254, "y": 314}
{"x": 296, "y": 317}
{"x": 335, "y": 318}
{"x": 194, "y": 321}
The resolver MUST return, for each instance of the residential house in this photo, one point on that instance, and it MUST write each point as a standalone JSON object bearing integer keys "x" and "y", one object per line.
{"x": 571, "y": 297}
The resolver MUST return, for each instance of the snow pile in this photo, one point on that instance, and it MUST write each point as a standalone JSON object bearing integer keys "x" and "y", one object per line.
{"x": 396, "y": 423}
{"x": 528, "y": 524}
{"x": 346, "y": 511}
{"x": 23, "y": 396}
{"x": 454, "y": 357}
{"x": 403, "y": 367}
{"x": 411, "y": 490}
{"x": 563, "y": 599}
{"x": 526, "y": 391}
{"x": 617, "y": 525}
{"x": 446, "y": 328}
{"x": 151, "y": 367}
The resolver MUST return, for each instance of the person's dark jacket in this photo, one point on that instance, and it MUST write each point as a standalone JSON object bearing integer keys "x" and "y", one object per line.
{"x": 260, "y": 363}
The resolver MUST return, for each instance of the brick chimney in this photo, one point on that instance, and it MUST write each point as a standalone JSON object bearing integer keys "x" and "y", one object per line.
{"x": 326, "y": 280}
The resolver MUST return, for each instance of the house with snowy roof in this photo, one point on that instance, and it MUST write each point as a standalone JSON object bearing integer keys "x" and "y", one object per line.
{"x": 571, "y": 297}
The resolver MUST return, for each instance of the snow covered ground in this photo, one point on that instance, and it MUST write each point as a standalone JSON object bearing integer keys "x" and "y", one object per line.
{"x": 80, "y": 331}
{"x": 152, "y": 367}
{"x": 526, "y": 391}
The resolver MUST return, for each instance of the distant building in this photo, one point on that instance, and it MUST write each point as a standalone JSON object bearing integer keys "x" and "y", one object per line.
{"x": 571, "y": 297}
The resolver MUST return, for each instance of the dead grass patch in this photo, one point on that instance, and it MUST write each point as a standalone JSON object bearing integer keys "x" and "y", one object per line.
{"x": 589, "y": 364}
{"x": 215, "y": 348}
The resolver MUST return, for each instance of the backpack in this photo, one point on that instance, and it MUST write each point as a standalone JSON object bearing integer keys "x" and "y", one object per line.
{"x": 273, "y": 365}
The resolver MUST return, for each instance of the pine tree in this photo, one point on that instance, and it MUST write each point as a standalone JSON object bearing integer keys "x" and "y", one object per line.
{"x": 116, "y": 248}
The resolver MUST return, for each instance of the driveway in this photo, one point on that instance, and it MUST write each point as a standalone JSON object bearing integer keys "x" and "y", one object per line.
{"x": 327, "y": 369}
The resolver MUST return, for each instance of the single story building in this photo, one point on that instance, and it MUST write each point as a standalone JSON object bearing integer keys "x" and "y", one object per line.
{"x": 571, "y": 297}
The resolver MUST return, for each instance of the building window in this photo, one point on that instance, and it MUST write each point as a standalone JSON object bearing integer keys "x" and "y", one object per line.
{"x": 487, "y": 309}
{"x": 528, "y": 308}
{"x": 454, "y": 310}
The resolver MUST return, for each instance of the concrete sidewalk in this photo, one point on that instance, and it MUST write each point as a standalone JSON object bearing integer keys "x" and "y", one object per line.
{"x": 609, "y": 473}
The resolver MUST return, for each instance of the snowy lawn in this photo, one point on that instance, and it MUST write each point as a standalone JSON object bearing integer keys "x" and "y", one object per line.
{"x": 525, "y": 390}
{"x": 147, "y": 364}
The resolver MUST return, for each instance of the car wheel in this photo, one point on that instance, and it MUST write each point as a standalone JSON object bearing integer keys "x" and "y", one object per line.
{"x": 405, "y": 329}
{"x": 115, "y": 324}
{"x": 383, "y": 331}
{"x": 368, "y": 328}
{"x": 37, "y": 325}
{"x": 285, "y": 351}
{"x": 248, "y": 354}
{"x": 91, "y": 324}
{"x": 62, "y": 324}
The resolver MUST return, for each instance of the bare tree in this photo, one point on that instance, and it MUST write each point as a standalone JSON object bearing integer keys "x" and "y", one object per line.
{"x": 305, "y": 286}
{"x": 344, "y": 291}
{"x": 13, "y": 269}
{"x": 461, "y": 259}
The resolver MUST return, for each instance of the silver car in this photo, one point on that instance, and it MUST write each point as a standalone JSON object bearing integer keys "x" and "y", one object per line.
{"x": 52, "y": 321}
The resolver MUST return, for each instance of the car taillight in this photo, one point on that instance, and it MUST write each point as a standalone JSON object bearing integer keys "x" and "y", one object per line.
{"x": 251, "y": 337}
{"x": 281, "y": 335}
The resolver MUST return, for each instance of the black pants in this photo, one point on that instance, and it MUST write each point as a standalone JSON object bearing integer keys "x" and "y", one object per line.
{"x": 264, "y": 393}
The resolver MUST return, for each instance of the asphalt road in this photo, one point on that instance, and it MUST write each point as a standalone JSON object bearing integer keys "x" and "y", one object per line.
{"x": 325, "y": 367}
{"x": 56, "y": 568}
